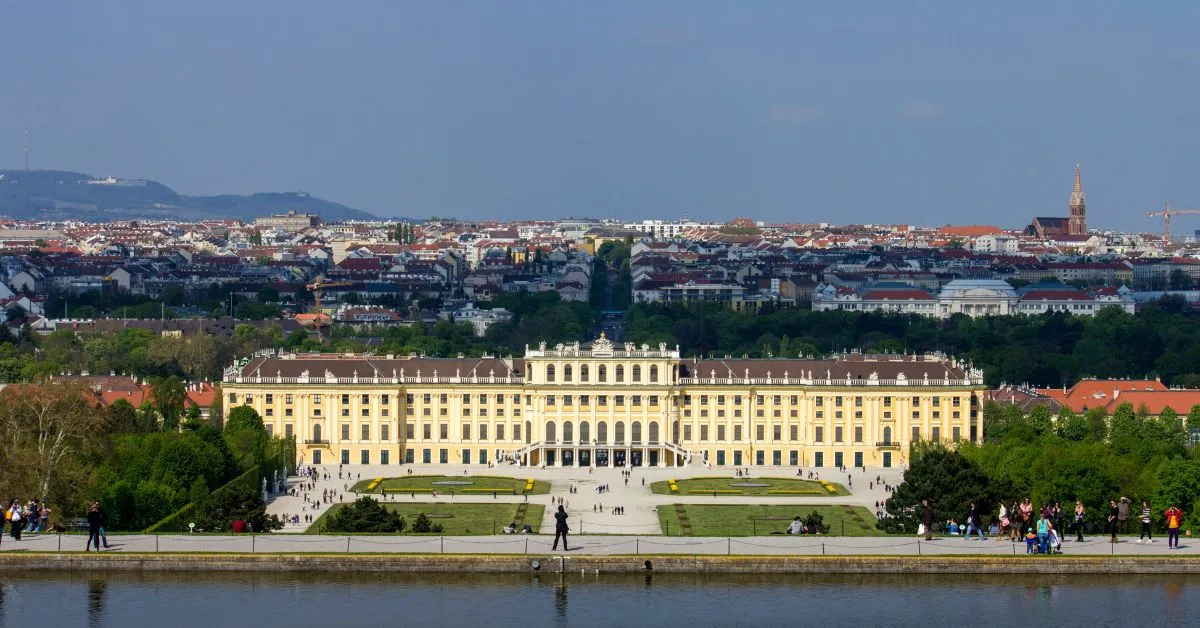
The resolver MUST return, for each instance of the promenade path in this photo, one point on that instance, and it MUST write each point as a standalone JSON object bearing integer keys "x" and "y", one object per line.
{"x": 539, "y": 544}
{"x": 639, "y": 502}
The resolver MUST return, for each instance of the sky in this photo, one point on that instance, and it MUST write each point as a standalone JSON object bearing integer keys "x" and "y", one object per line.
{"x": 917, "y": 112}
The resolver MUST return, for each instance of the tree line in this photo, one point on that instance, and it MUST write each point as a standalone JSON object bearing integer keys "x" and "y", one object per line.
{"x": 1048, "y": 350}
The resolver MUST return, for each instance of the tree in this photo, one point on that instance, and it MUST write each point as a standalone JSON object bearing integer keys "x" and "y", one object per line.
{"x": 169, "y": 396}
{"x": 948, "y": 480}
{"x": 364, "y": 515}
{"x": 234, "y": 502}
{"x": 42, "y": 428}
{"x": 245, "y": 435}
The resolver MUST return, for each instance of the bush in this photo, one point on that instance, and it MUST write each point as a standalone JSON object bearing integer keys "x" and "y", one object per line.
{"x": 365, "y": 515}
{"x": 424, "y": 525}
{"x": 814, "y": 521}
{"x": 232, "y": 502}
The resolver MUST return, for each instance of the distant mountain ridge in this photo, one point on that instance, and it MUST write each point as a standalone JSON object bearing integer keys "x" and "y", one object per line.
{"x": 60, "y": 195}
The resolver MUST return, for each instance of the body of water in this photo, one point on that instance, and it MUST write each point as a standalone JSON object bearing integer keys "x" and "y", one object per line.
{"x": 205, "y": 600}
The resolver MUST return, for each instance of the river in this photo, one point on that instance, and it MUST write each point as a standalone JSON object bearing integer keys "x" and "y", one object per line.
{"x": 208, "y": 600}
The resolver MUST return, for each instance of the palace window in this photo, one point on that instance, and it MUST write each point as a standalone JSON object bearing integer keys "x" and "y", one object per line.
{"x": 653, "y": 373}
{"x": 601, "y": 373}
{"x": 777, "y": 432}
{"x": 759, "y": 432}
{"x": 550, "y": 372}
{"x": 637, "y": 373}
{"x": 721, "y": 432}
{"x": 858, "y": 433}
{"x": 366, "y": 432}
{"x": 366, "y": 399}
{"x": 270, "y": 398}
{"x": 794, "y": 432}
{"x": 583, "y": 373}
{"x": 567, "y": 374}
{"x": 345, "y": 431}
{"x": 427, "y": 431}
{"x": 737, "y": 432}
{"x": 704, "y": 433}
{"x": 345, "y": 399}
{"x": 620, "y": 373}
{"x": 703, "y": 400}
{"x": 837, "y": 434}
{"x": 444, "y": 431}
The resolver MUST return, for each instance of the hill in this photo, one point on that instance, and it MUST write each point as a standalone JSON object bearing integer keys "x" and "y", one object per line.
{"x": 58, "y": 195}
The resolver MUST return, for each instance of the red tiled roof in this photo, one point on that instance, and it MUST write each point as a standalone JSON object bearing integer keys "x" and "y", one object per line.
{"x": 1154, "y": 402}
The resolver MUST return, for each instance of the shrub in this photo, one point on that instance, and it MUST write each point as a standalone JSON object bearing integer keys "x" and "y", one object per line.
{"x": 365, "y": 515}
{"x": 423, "y": 524}
{"x": 814, "y": 521}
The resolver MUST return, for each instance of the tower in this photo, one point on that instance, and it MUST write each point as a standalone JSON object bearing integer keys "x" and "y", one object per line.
{"x": 1077, "y": 224}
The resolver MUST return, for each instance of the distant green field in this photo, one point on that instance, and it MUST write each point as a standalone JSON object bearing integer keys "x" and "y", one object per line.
{"x": 478, "y": 485}
{"x": 760, "y": 520}
{"x": 457, "y": 519}
{"x": 775, "y": 487}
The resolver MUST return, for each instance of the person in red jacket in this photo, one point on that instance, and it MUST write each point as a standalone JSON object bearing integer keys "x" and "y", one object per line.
{"x": 1174, "y": 518}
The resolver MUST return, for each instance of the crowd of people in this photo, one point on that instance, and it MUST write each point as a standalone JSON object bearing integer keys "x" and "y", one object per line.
{"x": 1043, "y": 530}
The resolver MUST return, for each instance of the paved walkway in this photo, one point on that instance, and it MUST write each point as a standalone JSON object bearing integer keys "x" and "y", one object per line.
{"x": 581, "y": 545}
{"x": 639, "y": 503}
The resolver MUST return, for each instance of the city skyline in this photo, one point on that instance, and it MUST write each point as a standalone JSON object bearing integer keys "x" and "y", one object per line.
{"x": 849, "y": 114}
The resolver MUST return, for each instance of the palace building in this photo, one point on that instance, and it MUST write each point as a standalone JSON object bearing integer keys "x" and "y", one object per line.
{"x": 602, "y": 404}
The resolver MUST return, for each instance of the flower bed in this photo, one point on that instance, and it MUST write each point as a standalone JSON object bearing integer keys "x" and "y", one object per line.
{"x": 673, "y": 486}
{"x": 374, "y": 483}
{"x": 529, "y": 485}
{"x": 829, "y": 487}
{"x": 788, "y": 491}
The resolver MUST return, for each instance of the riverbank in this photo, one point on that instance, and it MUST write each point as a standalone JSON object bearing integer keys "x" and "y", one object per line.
{"x": 555, "y": 564}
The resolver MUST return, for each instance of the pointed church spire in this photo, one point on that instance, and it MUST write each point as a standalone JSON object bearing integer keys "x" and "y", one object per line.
{"x": 1077, "y": 198}
{"x": 1077, "y": 223}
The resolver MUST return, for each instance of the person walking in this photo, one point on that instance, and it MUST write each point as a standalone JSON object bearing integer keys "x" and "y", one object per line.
{"x": 1145, "y": 519}
{"x": 560, "y": 528}
{"x": 928, "y": 520}
{"x": 1016, "y": 526}
{"x": 94, "y": 522}
{"x": 1123, "y": 514}
{"x": 1174, "y": 518}
{"x": 1113, "y": 513}
{"x": 973, "y": 523}
{"x": 17, "y": 518}
{"x": 1079, "y": 510}
{"x": 103, "y": 523}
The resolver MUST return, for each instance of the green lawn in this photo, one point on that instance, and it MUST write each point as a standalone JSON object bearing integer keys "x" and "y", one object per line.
{"x": 457, "y": 519}
{"x": 775, "y": 487}
{"x": 479, "y": 485}
{"x": 750, "y": 520}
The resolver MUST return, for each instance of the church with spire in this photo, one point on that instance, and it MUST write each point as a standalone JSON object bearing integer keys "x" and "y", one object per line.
{"x": 1049, "y": 227}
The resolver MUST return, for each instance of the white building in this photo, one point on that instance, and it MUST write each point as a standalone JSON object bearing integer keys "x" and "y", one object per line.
{"x": 479, "y": 319}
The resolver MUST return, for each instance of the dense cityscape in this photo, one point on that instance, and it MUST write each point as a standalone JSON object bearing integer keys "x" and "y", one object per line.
{"x": 692, "y": 314}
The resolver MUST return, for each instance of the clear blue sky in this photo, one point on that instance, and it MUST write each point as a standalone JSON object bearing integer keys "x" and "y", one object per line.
{"x": 911, "y": 112}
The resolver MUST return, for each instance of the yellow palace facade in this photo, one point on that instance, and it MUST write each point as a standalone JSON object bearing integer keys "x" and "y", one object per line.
{"x": 603, "y": 404}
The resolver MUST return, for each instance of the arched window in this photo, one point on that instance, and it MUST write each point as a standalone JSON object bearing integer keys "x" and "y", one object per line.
{"x": 653, "y": 373}
{"x": 550, "y": 435}
{"x": 620, "y": 373}
{"x": 887, "y": 434}
{"x": 654, "y": 431}
{"x": 637, "y": 373}
{"x": 675, "y": 431}
{"x": 636, "y": 429}
{"x": 317, "y": 432}
{"x": 584, "y": 433}
{"x": 602, "y": 374}
{"x": 583, "y": 373}
{"x": 567, "y": 373}
{"x": 568, "y": 431}
{"x": 550, "y": 372}
{"x": 620, "y": 433}
{"x": 528, "y": 432}
{"x": 602, "y": 432}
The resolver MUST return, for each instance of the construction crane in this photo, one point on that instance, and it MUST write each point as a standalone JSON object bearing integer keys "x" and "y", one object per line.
{"x": 317, "y": 287}
{"x": 1166, "y": 212}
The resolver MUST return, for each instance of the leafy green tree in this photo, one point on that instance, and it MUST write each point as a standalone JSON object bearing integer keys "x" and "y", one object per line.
{"x": 232, "y": 503}
{"x": 365, "y": 515}
{"x": 1071, "y": 426}
{"x": 169, "y": 396}
{"x": 949, "y": 481}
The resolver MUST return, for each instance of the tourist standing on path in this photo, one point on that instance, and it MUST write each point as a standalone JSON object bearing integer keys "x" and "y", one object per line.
{"x": 1174, "y": 518}
{"x": 560, "y": 528}
{"x": 1016, "y": 526}
{"x": 1113, "y": 513}
{"x": 1123, "y": 514}
{"x": 93, "y": 520}
{"x": 1145, "y": 519}
{"x": 1043, "y": 534}
{"x": 1079, "y": 521}
{"x": 928, "y": 520}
